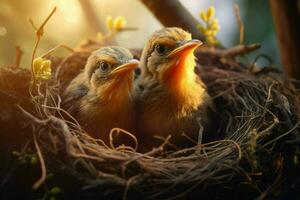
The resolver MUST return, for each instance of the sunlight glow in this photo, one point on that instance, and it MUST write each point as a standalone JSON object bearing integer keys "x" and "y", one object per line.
{"x": 3, "y": 31}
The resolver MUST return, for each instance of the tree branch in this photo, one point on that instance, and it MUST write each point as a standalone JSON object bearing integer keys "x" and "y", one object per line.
{"x": 286, "y": 17}
{"x": 238, "y": 50}
{"x": 172, "y": 13}
{"x": 91, "y": 15}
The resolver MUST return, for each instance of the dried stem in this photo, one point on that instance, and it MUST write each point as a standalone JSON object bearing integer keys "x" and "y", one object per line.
{"x": 239, "y": 22}
{"x": 42, "y": 179}
{"x": 238, "y": 50}
{"x": 57, "y": 47}
{"x": 19, "y": 54}
{"x": 39, "y": 33}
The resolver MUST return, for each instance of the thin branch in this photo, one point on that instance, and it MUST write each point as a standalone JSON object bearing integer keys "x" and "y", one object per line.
{"x": 39, "y": 33}
{"x": 119, "y": 130}
{"x": 240, "y": 23}
{"x": 19, "y": 54}
{"x": 230, "y": 52}
{"x": 42, "y": 179}
{"x": 57, "y": 47}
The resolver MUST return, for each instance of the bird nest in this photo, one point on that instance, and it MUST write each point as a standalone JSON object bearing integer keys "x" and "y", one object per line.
{"x": 254, "y": 153}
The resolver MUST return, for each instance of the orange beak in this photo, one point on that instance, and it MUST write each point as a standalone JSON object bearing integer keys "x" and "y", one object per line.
{"x": 126, "y": 68}
{"x": 118, "y": 74}
{"x": 183, "y": 68}
{"x": 185, "y": 49}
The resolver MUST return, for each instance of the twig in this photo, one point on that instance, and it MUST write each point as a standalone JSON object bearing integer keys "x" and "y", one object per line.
{"x": 253, "y": 64}
{"x": 19, "y": 54}
{"x": 200, "y": 132}
{"x": 42, "y": 179}
{"x": 271, "y": 188}
{"x": 189, "y": 138}
{"x": 240, "y": 23}
{"x": 281, "y": 136}
{"x": 39, "y": 33}
{"x": 128, "y": 183}
{"x": 33, "y": 118}
{"x": 129, "y": 29}
{"x": 238, "y": 50}
{"x": 57, "y": 47}
{"x": 119, "y": 130}
{"x": 148, "y": 154}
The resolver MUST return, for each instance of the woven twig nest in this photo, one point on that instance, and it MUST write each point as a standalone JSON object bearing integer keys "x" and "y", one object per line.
{"x": 255, "y": 153}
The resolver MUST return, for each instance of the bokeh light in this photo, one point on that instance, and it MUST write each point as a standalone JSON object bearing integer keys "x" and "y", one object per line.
{"x": 71, "y": 24}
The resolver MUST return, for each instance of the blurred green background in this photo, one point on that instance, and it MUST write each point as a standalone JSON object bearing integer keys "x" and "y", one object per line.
{"x": 70, "y": 24}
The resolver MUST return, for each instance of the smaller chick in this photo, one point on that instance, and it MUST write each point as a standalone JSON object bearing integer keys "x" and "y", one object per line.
{"x": 100, "y": 97}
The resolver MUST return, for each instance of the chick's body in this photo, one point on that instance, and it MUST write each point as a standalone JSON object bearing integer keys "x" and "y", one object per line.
{"x": 172, "y": 98}
{"x": 100, "y": 97}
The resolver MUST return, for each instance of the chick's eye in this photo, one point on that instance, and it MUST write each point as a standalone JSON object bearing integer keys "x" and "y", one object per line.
{"x": 161, "y": 49}
{"x": 103, "y": 66}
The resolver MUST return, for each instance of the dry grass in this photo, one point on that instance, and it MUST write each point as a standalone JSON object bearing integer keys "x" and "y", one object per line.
{"x": 257, "y": 113}
{"x": 258, "y": 128}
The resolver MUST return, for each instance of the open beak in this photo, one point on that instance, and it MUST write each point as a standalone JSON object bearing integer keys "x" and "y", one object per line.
{"x": 125, "y": 68}
{"x": 186, "y": 48}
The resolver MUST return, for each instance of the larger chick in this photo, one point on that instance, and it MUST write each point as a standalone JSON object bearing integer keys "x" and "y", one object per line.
{"x": 173, "y": 100}
{"x": 100, "y": 97}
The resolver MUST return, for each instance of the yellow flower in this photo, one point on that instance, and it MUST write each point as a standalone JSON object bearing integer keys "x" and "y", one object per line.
{"x": 211, "y": 40}
{"x": 211, "y": 26}
{"x": 203, "y": 16}
{"x": 119, "y": 23}
{"x": 46, "y": 70}
{"x": 37, "y": 63}
{"x": 201, "y": 28}
{"x": 217, "y": 28}
{"x": 210, "y": 13}
{"x": 109, "y": 23}
{"x": 42, "y": 68}
{"x": 214, "y": 32}
{"x": 209, "y": 32}
{"x": 215, "y": 23}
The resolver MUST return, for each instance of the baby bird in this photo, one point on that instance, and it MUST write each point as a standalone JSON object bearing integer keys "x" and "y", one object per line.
{"x": 172, "y": 98}
{"x": 100, "y": 97}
